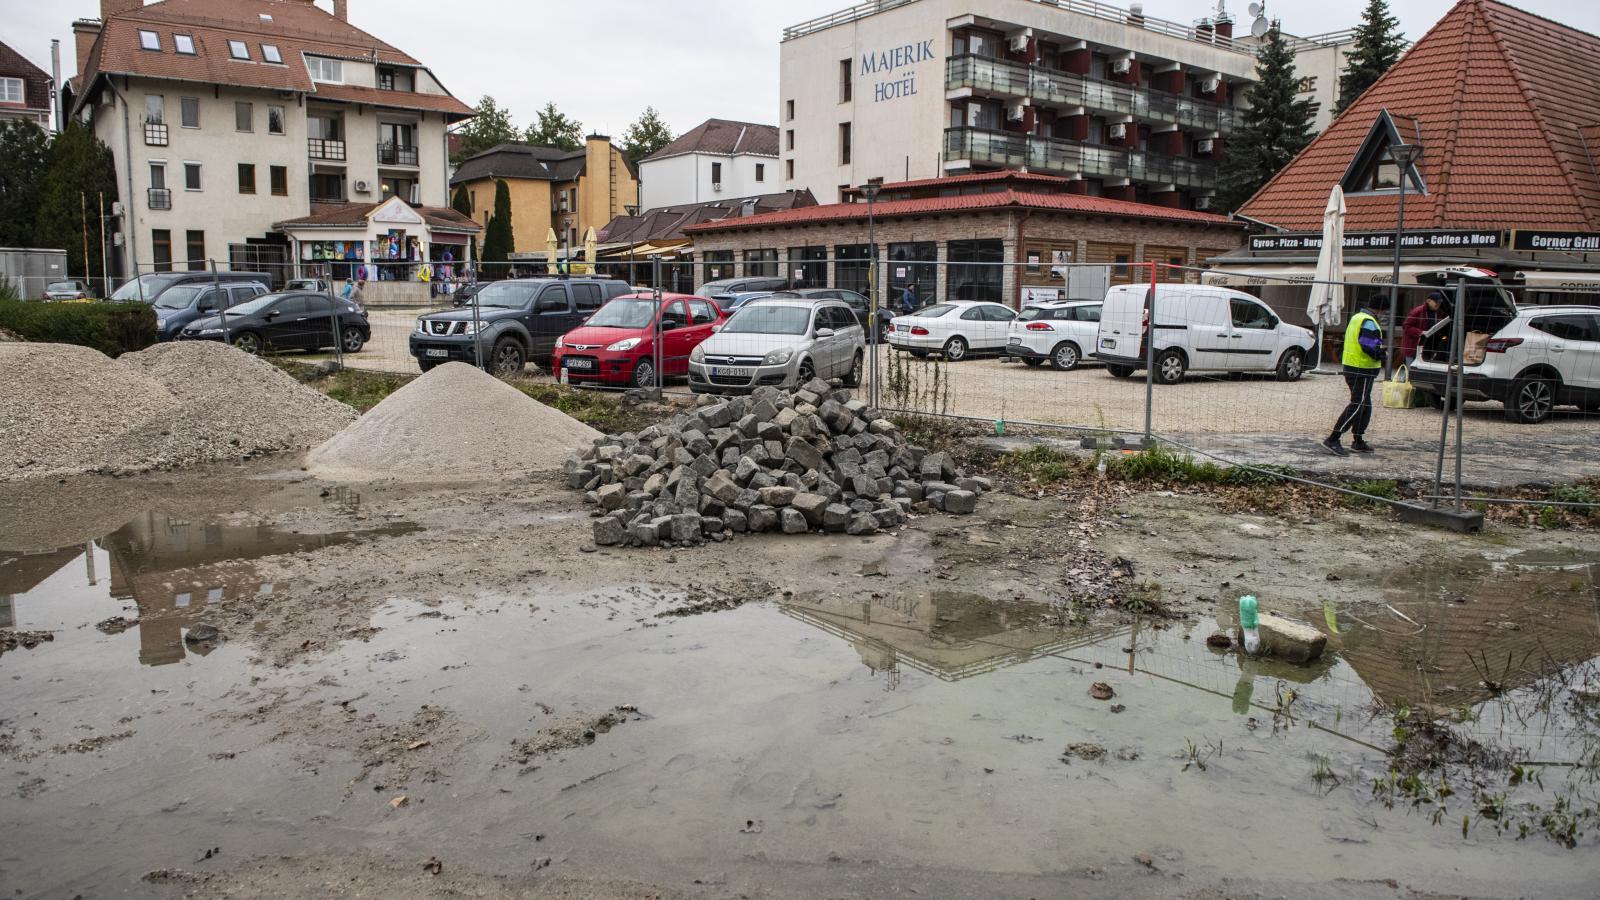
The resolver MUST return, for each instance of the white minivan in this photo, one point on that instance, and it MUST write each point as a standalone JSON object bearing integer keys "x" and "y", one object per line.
{"x": 1198, "y": 328}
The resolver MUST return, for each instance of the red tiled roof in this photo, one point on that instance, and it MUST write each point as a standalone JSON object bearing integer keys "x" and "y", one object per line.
{"x": 355, "y": 215}
{"x": 1070, "y": 203}
{"x": 1006, "y": 175}
{"x": 1503, "y": 98}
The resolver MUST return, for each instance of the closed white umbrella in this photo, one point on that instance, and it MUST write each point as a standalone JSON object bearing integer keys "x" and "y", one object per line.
{"x": 1326, "y": 306}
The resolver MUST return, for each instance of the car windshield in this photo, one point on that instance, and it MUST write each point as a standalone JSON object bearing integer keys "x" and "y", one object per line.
{"x": 505, "y": 294}
{"x": 769, "y": 318}
{"x": 61, "y": 286}
{"x": 179, "y": 297}
{"x": 933, "y": 312}
{"x": 624, "y": 314}
{"x": 251, "y": 307}
{"x": 144, "y": 287}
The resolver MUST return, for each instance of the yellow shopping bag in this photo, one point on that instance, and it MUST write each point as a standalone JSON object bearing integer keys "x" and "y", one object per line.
{"x": 1398, "y": 392}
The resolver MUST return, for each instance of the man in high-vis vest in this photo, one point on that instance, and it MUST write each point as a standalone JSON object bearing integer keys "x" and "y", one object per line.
{"x": 1363, "y": 359}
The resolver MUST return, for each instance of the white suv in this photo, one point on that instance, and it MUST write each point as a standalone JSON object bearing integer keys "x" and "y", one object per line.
{"x": 1058, "y": 332}
{"x": 1536, "y": 358}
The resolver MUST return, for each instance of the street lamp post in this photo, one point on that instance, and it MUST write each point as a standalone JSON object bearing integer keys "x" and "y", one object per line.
{"x": 1404, "y": 156}
{"x": 633, "y": 212}
{"x": 870, "y": 191}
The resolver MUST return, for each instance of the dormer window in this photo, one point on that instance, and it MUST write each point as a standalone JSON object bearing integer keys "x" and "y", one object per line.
{"x": 239, "y": 50}
{"x": 184, "y": 44}
{"x": 149, "y": 40}
{"x": 325, "y": 70}
{"x": 1373, "y": 169}
{"x": 269, "y": 52}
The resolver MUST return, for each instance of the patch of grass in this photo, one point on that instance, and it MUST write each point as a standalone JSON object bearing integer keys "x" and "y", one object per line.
{"x": 1388, "y": 489}
{"x": 601, "y": 410}
{"x": 1159, "y": 464}
{"x": 933, "y": 433}
{"x": 1042, "y": 464}
{"x": 363, "y": 390}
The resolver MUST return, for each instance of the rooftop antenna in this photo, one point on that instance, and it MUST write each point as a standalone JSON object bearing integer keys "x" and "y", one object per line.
{"x": 1260, "y": 26}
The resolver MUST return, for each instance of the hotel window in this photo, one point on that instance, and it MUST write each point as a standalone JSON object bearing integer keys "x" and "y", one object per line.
{"x": 329, "y": 70}
{"x": 10, "y": 90}
{"x": 191, "y": 176}
{"x": 183, "y": 43}
{"x": 279, "y": 176}
{"x": 244, "y": 116}
{"x": 844, "y": 80}
{"x": 788, "y": 169}
{"x": 761, "y": 172}
{"x": 161, "y": 249}
{"x": 195, "y": 250}
{"x": 238, "y": 50}
{"x": 149, "y": 40}
{"x": 844, "y": 143}
{"x": 788, "y": 110}
{"x": 269, "y": 52}
{"x": 274, "y": 120}
{"x": 788, "y": 137}
{"x": 189, "y": 111}
{"x": 247, "y": 178}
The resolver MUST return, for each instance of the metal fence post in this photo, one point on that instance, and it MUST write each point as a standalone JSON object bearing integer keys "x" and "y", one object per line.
{"x": 477, "y": 322}
{"x": 655, "y": 342}
{"x": 1150, "y": 363}
{"x": 1452, "y": 391}
{"x": 222, "y": 302}
{"x": 1461, "y": 378}
{"x": 333, "y": 314}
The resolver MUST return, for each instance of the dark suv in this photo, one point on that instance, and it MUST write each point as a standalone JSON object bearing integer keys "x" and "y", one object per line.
{"x": 517, "y": 320}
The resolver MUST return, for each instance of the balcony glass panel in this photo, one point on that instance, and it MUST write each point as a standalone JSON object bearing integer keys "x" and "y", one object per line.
{"x": 1049, "y": 87}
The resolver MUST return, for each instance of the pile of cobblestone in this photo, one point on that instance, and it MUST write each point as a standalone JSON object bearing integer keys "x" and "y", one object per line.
{"x": 812, "y": 460}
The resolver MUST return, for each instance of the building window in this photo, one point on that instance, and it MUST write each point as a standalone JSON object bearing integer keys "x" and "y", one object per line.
{"x": 269, "y": 52}
{"x": 161, "y": 249}
{"x": 845, "y": 71}
{"x": 761, "y": 263}
{"x": 808, "y": 267}
{"x": 189, "y": 111}
{"x": 852, "y": 267}
{"x": 385, "y": 79}
{"x": 788, "y": 169}
{"x": 274, "y": 120}
{"x": 788, "y": 107}
{"x": 191, "y": 176}
{"x": 247, "y": 178}
{"x": 719, "y": 264}
{"x": 913, "y": 263}
{"x": 244, "y": 116}
{"x": 329, "y": 187}
{"x": 976, "y": 272}
{"x": 788, "y": 137}
{"x": 716, "y": 173}
{"x": 238, "y": 50}
{"x": 761, "y": 172}
{"x": 183, "y": 43}
{"x": 196, "y": 250}
{"x": 844, "y": 143}
{"x": 11, "y": 90}
{"x": 158, "y": 176}
{"x": 328, "y": 70}
{"x": 149, "y": 40}
{"x": 279, "y": 176}
{"x": 155, "y": 109}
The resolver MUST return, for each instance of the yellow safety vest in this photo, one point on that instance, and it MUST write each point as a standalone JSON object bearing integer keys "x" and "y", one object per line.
{"x": 1355, "y": 355}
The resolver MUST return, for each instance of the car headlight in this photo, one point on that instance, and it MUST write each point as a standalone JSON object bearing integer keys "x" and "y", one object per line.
{"x": 698, "y": 354}
{"x": 475, "y": 327}
{"x": 422, "y": 326}
{"x": 561, "y": 342}
{"x": 626, "y": 344}
{"x": 211, "y": 331}
{"x": 779, "y": 357}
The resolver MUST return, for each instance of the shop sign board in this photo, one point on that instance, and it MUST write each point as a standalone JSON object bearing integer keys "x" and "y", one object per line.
{"x": 1535, "y": 240}
{"x": 1384, "y": 240}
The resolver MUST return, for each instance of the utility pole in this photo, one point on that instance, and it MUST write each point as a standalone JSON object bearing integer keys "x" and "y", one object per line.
{"x": 83, "y": 210}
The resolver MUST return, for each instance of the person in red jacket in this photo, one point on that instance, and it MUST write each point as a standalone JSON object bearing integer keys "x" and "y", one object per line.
{"x": 1418, "y": 321}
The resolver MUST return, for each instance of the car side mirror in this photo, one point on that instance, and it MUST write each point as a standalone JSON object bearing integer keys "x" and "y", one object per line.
{"x": 270, "y": 314}
{"x": 1274, "y": 321}
{"x": 824, "y": 332}
{"x": 717, "y": 327}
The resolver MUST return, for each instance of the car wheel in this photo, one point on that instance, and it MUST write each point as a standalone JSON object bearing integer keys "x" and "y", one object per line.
{"x": 920, "y": 354}
{"x": 1031, "y": 362}
{"x": 955, "y": 349}
{"x": 249, "y": 342}
{"x": 807, "y": 372}
{"x": 1291, "y": 365}
{"x": 852, "y": 378}
{"x": 1064, "y": 358}
{"x": 1119, "y": 371}
{"x": 644, "y": 374}
{"x": 1171, "y": 367}
{"x": 353, "y": 341}
{"x": 1531, "y": 400}
{"x": 507, "y": 358}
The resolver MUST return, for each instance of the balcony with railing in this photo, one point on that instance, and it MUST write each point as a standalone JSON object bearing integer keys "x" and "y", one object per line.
{"x": 390, "y": 154}
{"x": 1062, "y": 89}
{"x": 323, "y": 148}
{"x": 155, "y": 134}
{"x": 1053, "y": 155}
{"x": 160, "y": 198}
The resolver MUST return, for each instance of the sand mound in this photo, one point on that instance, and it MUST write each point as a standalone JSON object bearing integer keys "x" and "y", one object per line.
{"x": 453, "y": 424}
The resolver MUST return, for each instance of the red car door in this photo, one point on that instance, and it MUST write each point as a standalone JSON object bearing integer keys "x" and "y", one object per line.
{"x": 675, "y": 338}
{"x": 703, "y": 314}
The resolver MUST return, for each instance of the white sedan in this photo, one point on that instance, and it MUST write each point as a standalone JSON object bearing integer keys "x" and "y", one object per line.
{"x": 956, "y": 330}
{"x": 1058, "y": 332}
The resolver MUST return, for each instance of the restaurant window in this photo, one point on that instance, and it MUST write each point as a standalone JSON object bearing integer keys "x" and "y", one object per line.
{"x": 845, "y": 71}
{"x": 247, "y": 178}
{"x": 274, "y": 120}
{"x": 161, "y": 249}
{"x": 1168, "y": 258}
{"x": 808, "y": 267}
{"x": 915, "y": 262}
{"x": 279, "y": 176}
{"x": 844, "y": 143}
{"x": 1115, "y": 258}
{"x": 852, "y": 268}
{"x": 189, "y": 112}
{"x": 244, "y": 117}
{"x": 195, "y": 250}
{"x": 976, "y": 270}
{"x": 761, "y": 263}
{"x": 719, "y": 264}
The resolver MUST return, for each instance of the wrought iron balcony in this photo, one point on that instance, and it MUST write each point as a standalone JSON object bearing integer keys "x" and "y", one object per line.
{"x": 322, "y": 148}
{"x": 396, "y": 155}
{"x": 155, "y": 134}
{"x": 1060, "y": 89}
{"x": 160, "y": 198}
{"x": 1054, "y": 155}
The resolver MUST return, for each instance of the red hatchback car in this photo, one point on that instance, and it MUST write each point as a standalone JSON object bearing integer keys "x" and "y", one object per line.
{"x": 615, "y": 346}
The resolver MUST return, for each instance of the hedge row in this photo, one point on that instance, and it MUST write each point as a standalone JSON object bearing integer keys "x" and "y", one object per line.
{"x": 111, "y": 328}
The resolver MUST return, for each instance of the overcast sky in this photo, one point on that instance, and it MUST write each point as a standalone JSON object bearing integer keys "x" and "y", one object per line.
{"x": 603, "y": 61}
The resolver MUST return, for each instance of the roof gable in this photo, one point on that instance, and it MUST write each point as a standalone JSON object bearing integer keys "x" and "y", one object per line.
{"x": 523, "y": 161}
{"x": 723, "y": 137}
{"x": 1387, "y": 131}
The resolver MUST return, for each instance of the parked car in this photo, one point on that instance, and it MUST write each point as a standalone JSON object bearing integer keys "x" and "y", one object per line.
{"x": 147, "y": 288}
{"x": 464, "y": 293}
{"x": 721, "y": 289}
{"x": 1057, "y": 332}
{"x": 309, "y": 285}
{"x": 957, "y": 330}
{"x": 66, "y": 291}
{"x": 858, "y": 304}
{"x": 297, "y": 321}
{"x": 513, "y": 321}
{"x": 1535, "y": 358}
{"x": 616, "y": 346}
{"x": 730, "y": 302}
{"x": 1198, "y": 329}
{"x": 782, "y": 342}
{"x": 182, "y": 304}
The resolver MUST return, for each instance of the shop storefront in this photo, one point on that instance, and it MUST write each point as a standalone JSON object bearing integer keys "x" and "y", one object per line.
{"x": 387, "y": 242}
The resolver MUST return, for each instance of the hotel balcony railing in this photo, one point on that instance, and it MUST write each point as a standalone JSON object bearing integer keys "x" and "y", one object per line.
{"x": 155, "y": 134}
{"x": 396, "y": 155}
{"x": 160, "y": 198}
{"x": 1061, "y": 89}
{"x": 322, "y": 148}
{"x": 1054, "y": 155}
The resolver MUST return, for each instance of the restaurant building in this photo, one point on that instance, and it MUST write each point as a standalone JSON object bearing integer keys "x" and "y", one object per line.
{"x": 1506, "y": 108}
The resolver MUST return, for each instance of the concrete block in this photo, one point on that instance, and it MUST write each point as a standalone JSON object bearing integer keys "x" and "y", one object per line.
{"x": 1287, "y": 640}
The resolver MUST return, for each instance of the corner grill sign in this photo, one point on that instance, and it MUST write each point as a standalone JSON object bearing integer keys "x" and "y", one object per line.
{"x": 1556, "y": 241}
{"x": 1382, "y": 240}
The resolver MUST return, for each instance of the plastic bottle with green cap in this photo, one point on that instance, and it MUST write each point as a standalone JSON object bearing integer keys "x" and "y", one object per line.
{"x": 1249, "y": 623}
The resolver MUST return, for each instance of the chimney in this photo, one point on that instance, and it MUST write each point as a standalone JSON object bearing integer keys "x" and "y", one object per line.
{"x": 84, "y": 33}
{"x": 341, "y": 10}
{"x": 109, "y": 8}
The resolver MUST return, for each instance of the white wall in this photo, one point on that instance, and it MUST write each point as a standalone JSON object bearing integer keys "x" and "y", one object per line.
{"x": 687, "y": 178}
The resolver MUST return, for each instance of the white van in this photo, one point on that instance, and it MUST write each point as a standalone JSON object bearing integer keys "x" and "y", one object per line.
{"x": 1198, "y": 328}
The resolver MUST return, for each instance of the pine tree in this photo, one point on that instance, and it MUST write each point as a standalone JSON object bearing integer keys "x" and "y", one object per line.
{"x": 498, "y": 239}
{"x": 1378, "y": 46}
{"x": 24, "y": 160}
{"x": 646, "y": 136}
{"x": 80, "y": 169}
{"x": 1275, "y": 128}
{"x": 554, "y": 129}
{"x": 490, "y": 127}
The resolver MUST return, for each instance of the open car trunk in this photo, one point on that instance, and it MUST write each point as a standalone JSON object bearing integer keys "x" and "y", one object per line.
{"x": 1489, "y": 308}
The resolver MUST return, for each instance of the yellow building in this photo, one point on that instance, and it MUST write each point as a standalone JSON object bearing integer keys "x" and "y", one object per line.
{"x": 569, "y": 191}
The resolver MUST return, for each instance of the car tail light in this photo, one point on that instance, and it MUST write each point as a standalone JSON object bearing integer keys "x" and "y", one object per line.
{"x": 1501, "y": 345}
{"x": 1144, "y": 321}
{"x": 1039, "y": 326}
{"x": 918, "y": 329}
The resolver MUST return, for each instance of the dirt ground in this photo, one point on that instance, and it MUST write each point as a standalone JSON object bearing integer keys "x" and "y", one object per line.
{"x": 450, "y": 692}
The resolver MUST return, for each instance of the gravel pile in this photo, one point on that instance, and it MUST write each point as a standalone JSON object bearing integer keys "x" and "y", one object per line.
{"x": 453, "y": 424}
{"x": 812, "y": 460}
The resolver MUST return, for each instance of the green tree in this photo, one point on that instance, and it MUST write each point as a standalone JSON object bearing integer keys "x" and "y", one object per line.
{"x": 646, "y": 136}
{"x": 1275, "y": 128}
{"x": 490, "y": 127}
{"x": 461, "y": 202}
{"x": 1378, "y": 46}
{"x": 24, "y": 160}
{"x": 498, "y": 239}
{"x": 80, "y": 169}
{"x": 554, "y": 129}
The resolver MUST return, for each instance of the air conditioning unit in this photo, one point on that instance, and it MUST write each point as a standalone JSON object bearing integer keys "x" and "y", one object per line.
{"x": 1203, "y": 146}
{"x": 1019, "y": 44}
{"x": 116, "y": 208}
{"x": 416, "y": 195}
{"x": 1017, "y": 112}
{"x": 1211, "y": 85}
{"x": 1119, "y": 132}
{"x": 362, "y": 187}
{"x": 1122, "y": 67}
{"x": 1202, "y": 202}
{"x": 716, "y": 186}
{"x": 117, "y": 240}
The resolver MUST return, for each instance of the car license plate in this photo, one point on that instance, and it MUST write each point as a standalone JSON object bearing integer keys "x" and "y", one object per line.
{"x": 442, "y": 354}
{"x": 731, "y": 371}
{"x": 578, "y": 363}
{"x": 1108, "y": 343}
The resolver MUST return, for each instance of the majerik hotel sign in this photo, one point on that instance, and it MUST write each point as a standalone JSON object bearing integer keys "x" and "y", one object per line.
{"x": 892, "y": 69}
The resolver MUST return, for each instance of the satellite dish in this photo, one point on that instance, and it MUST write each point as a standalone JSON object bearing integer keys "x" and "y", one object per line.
{"x": 1255, "y": 9}
{"x": 1259, "y": 27}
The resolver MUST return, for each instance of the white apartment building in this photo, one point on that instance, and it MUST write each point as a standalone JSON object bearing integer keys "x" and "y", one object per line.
{"x": 1124, "y": 105}
{"x": 718, "y": 159}
{"x": 227, "y": 116}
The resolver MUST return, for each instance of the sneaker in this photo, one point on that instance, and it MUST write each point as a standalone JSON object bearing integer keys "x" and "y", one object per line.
{"x": 1333, "y": 446}
{"x": 1361, "y": 446}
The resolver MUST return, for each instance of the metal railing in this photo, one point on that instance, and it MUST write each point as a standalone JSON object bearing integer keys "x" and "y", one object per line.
{"x": 1044, "y": 154}
{"x": 160, "y": 198}
{"x": 155, "y": 134}
{"x": 1066, "y": 89}
{"x": 323, "y": 148}
{"x": 396, "y": 155}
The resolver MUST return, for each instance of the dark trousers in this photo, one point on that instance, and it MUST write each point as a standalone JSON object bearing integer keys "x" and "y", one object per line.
{"x": 1358, "y": 414}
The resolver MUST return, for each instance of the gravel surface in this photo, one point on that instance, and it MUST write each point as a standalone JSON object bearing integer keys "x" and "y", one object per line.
{"x": 453, "y": 424}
